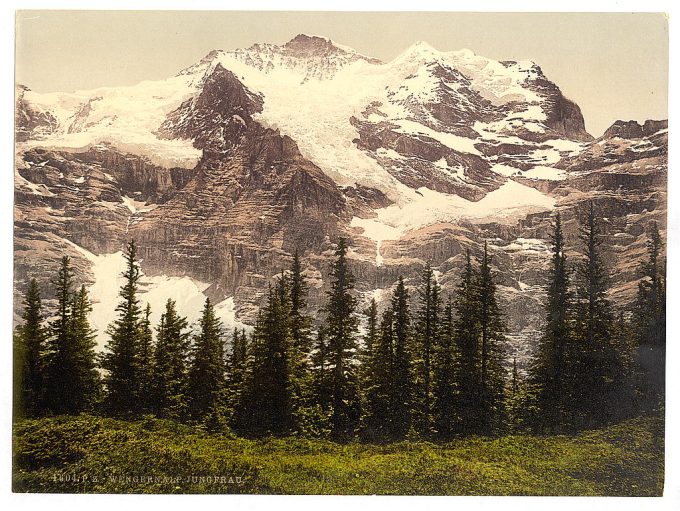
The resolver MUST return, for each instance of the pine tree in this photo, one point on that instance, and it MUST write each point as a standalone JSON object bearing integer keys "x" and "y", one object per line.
{"x": 71, "y": 380}
{"x": 29, "y": 355}
{"x": 492, "y": 330}
{"x": 341, "y": 328}
{"x": 427, "y": 329}
{"x": 650, "y": 327}
{"x": 85, "y": 382}
{"x": 377, "y": 419}
{"x": 321, "y": 376}
{"x": 121, "y": 358}
{"x": 402, "y": 381}
{"x": 444, "y": 409}
{"x": 145, "y": 362}
{"x": 207, "y": 372}
{"x": 170, "y": 365}
{"x": 595, "y": 375}
{"x": 270, "y": 397}
{"x": 237, "y": 376}
{"x": 548, "y": 371}
{"x": 467, "y": 334}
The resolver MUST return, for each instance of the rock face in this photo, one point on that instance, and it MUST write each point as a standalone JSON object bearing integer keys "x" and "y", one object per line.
{"x": 290, "y": 147}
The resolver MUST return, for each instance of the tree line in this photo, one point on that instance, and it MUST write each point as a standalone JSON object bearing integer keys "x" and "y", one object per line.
{"x": 426, "y": 366}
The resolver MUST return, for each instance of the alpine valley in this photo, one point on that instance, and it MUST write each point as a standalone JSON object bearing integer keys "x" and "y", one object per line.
{"x": 222, "y": 171}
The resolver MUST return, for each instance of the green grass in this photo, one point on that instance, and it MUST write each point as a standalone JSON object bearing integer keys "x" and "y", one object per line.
{"x": 90, "y": 454}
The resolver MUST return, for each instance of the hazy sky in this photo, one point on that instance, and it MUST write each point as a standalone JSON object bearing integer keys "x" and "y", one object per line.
{"x": 614, "y": 65}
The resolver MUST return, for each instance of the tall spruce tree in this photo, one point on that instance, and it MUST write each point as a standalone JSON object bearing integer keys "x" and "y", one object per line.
{"x": 649, "y": 322}
{"x": 467, "y": 335}
{"x": 121, "y": 359}
{"x": 29, "y": 355}
{"x": 170, "y": 399}
{"x": 145, "y": 362}
{"x": 341, "y": 330}
{"x": 377, "y": 416}
{"x": 426, "y": 338}
{"x": 596, "y": 366}
{"x": 402, "y": 381}
{"x": 444, "y": 366}
{"x": 550, "y": 366}
{"x": 270, "y": 395}
{"x": 492, "y": 337}
{"x": 237, "y": 378}
{"x": 207, "y": 372}
{"x": 86, "y": 381}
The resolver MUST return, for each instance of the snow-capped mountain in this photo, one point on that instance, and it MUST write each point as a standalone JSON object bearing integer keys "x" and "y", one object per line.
{"x": 224, "y": 169}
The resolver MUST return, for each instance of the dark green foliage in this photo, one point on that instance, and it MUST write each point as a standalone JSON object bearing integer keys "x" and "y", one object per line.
{"x": 207, "y": 372}
{"x": 145, "y": 363}
{"x": 389, "y": 384}
{"x": 170, "y": 399}
{"x": 492, "y": 337}
{"x": 550, "y": 367}
{"x": 341, "y": 330}
{"x": 121, "y": 360}
{"x": 269, "y": 394}
{"x": 29, "y": 355}
{"x": 425, "y": 344}
{"x": 649, "y": 324}
{"x": 445, "y": 368}
{"x": 596, "y": 366}
{"x": 237, "y": 379}
{"x": 71, "y": 380}
{"x": 402, "y": 381}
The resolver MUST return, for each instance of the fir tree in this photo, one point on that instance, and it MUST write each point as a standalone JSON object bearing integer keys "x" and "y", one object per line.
{"x": 170, "y": 365}
{"x": 121, "y": 359}
{"x": 237, "y": 375}
{"x": 548, "y": 371}
{"x": 650, "y": 327}
{"x": 269, "y": 398}
{"x": 427, "y": 329}
{"x": 85, "y": 381}
{"x": 596, "y": 366}
{"x": 445, "y": 412}
{"x": 402, "y": 381}
{"x": 145, "y": 362}
{"x": 341, "y": 328}
{"x": 467, "y": 334}
{"x": 321, "y": 372}
{"x": 207, "y": 372}
{"x": 492, "y": 330}
{"x": 29, "y": 355}
{"x": 377, "y": 418}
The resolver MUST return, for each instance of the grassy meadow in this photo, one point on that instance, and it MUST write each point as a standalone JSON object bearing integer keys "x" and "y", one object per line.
{"x": 88, "y": 454}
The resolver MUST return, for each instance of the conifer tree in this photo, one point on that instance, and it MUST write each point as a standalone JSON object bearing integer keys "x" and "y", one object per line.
{"x": 427, "y": 329}
{"x": 377, "y": 418}
{"x": 86, "y": 383}
{"x": 170, "y": 365}
{"x": 649, "y": 321}
{"x": 321, "y": 372}
{"x": 145, "y": 362}
{"x": 402, "y": 381}
{"x": 596, "y": 366}
{"x": 270, "y": 397}
{"x": 207, "y": 372}
{"x": 29, "y": 355}
{"x": 341, "y": 329}
{"x": 445, "y": 412}
{"x": 548, "y": 371}
{"x": 467, "y": 334}
{"x": 237, "y": 378}
{"x": 121, "y": 358}
{"x": 492, "y": 331}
